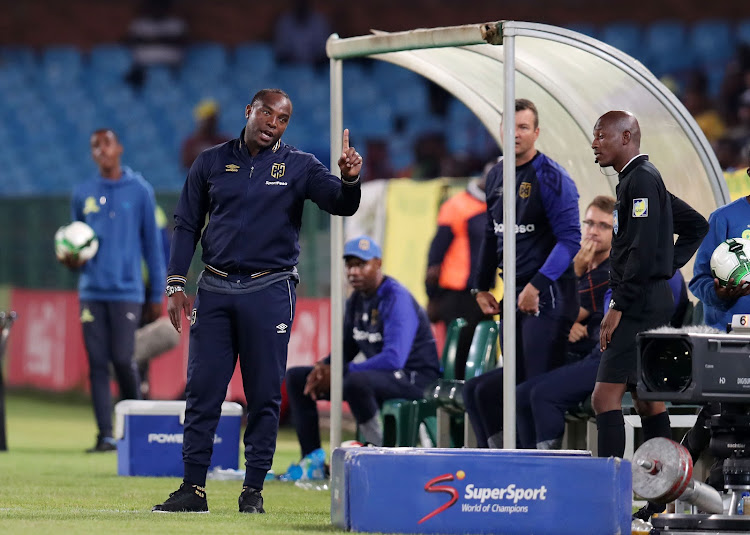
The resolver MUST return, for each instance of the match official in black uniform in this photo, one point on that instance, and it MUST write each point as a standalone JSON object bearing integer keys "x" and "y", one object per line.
{"x": 644, "y": 257}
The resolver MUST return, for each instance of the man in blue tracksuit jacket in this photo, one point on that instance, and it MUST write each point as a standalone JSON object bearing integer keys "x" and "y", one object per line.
{"x": 548, "y": 235}
{"x": 721, "y": 303}
{"x": 384, "y": 323}
{"x": 253, "y": 189}
{"x": 119, "y": 206}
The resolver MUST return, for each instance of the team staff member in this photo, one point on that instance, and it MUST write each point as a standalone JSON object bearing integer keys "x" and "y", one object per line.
{"x": 548, "y": 235}
{"x": 719, "y": 305}
{"x": 383, "y": 322}
{"x": 644, "y": 257}
{"x": 253, "y": 189}
{"x": 119, "y": 205}
{"x": 452, "y": 263}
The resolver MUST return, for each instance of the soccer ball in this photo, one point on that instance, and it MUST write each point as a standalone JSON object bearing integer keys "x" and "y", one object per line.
{"x": 77, "y": 239}
{"x": 731, "y": 260}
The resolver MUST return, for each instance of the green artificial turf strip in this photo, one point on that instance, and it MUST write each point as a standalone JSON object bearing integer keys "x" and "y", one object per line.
{"x": 49, "y": 485}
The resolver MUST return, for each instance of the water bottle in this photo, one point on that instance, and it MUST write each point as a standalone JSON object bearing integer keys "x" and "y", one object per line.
{"x": 314, "y": 465}
{"x": 743, "y": 501}
{"x": 293, "y": 473}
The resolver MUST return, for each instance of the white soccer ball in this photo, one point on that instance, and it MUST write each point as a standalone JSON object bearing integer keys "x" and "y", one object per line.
{"x": 77, "y": 239}
{"x": 731, "y": 260}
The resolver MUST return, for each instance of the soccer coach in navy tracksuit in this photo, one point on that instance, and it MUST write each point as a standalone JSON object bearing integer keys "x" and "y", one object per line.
{"x": 253, "y": 189}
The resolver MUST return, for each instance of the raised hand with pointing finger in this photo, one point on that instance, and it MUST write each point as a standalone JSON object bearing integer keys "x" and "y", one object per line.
{"x": 350, "y": 161}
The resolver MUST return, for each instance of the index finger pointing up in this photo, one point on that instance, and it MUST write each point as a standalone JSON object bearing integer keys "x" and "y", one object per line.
{"x": 346, "y": 139}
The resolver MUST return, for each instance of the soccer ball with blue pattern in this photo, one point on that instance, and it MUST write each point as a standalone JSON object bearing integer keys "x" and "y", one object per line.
{"x": 731, "y": 260}
{"x": 76, "y": 239}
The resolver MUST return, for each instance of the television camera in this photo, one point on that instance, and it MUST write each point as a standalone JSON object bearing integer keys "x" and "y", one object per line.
{"x": 698, "y": 365}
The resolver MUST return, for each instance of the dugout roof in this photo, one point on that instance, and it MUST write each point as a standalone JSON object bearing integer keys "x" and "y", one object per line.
{"x": 573, "y": 79}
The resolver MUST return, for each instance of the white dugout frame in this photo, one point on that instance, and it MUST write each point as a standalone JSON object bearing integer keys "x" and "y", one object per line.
{"x": 573, "y": 79}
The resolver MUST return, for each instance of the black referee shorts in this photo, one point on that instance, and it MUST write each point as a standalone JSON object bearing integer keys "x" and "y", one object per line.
{"x": 652, "y": 309}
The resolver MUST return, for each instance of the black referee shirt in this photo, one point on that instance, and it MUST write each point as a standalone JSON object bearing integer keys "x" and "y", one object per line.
{"x": 642, "y": 243}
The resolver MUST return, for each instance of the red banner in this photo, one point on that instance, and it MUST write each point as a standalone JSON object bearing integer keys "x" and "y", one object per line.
{"x": 45, "y": 348}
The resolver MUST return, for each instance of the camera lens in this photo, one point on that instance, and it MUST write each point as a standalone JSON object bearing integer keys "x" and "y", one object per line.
{"x": 667, "y": 365}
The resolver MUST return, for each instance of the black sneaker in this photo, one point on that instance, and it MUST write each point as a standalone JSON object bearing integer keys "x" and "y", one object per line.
{"x": 103, "y": 444}
{"x": 186, "y": 499}
{"x": 251, "y": 501}
{"x": 647, "y": 511}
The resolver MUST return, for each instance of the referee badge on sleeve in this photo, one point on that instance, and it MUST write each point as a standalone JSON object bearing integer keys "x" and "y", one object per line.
{"x": 640, "y": 207}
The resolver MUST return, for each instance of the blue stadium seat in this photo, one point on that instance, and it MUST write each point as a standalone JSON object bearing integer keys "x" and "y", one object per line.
{"x": 387, "y": 76}
{"x": 254, "y": 57}
{"x": 20, "y": 58}
{"x": 584, "y": 28}
{"x": 401, "y": 151}
{"x": 12, "y": 79}
{"x": 110, "y": 61}
{"x": 410, "y": 98}
{"x": 668, "y": 50}
{"x": 209, "y": 59}
{"x": 625, "y": 36}
{"x": 712, "y": 41}
{"x": 159, "y": 77}
{"x": 743, "y": 31}
{"x": 715, "y": 72}
{"x": 61, "y": 65}
{"x": 18, "y": 181}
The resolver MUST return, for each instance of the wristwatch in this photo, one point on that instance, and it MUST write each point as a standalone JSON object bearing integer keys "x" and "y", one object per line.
{"x": 475, "y": 291}
{"x": 171, "y": 290}
{"x": 611, "y": 303}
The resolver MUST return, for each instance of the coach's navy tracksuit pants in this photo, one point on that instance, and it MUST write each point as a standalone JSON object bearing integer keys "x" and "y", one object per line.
{"x": 254, "y": 322}
{"x": 109, "y": 336}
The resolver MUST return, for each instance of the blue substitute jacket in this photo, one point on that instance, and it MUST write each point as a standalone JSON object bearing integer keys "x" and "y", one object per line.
{"x": 254, "y": 206}
{"x": 548, "y": 231}
{"x": 391, "y": 330}
{"x": 122, "y": 214}
{"x": 730, "y": 221}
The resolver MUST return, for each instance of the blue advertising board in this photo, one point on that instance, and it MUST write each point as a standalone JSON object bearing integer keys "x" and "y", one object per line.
{"x": 524, "y": 492}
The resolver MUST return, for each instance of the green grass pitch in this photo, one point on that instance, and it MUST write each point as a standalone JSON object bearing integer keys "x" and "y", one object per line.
{"x": 49, "y": 485}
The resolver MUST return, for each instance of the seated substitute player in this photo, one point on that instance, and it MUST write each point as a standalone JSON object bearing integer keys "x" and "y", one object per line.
{"x": 541, "y": 402}
{"x": 591, "y": 265}
{"x": 383, "y": 322}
